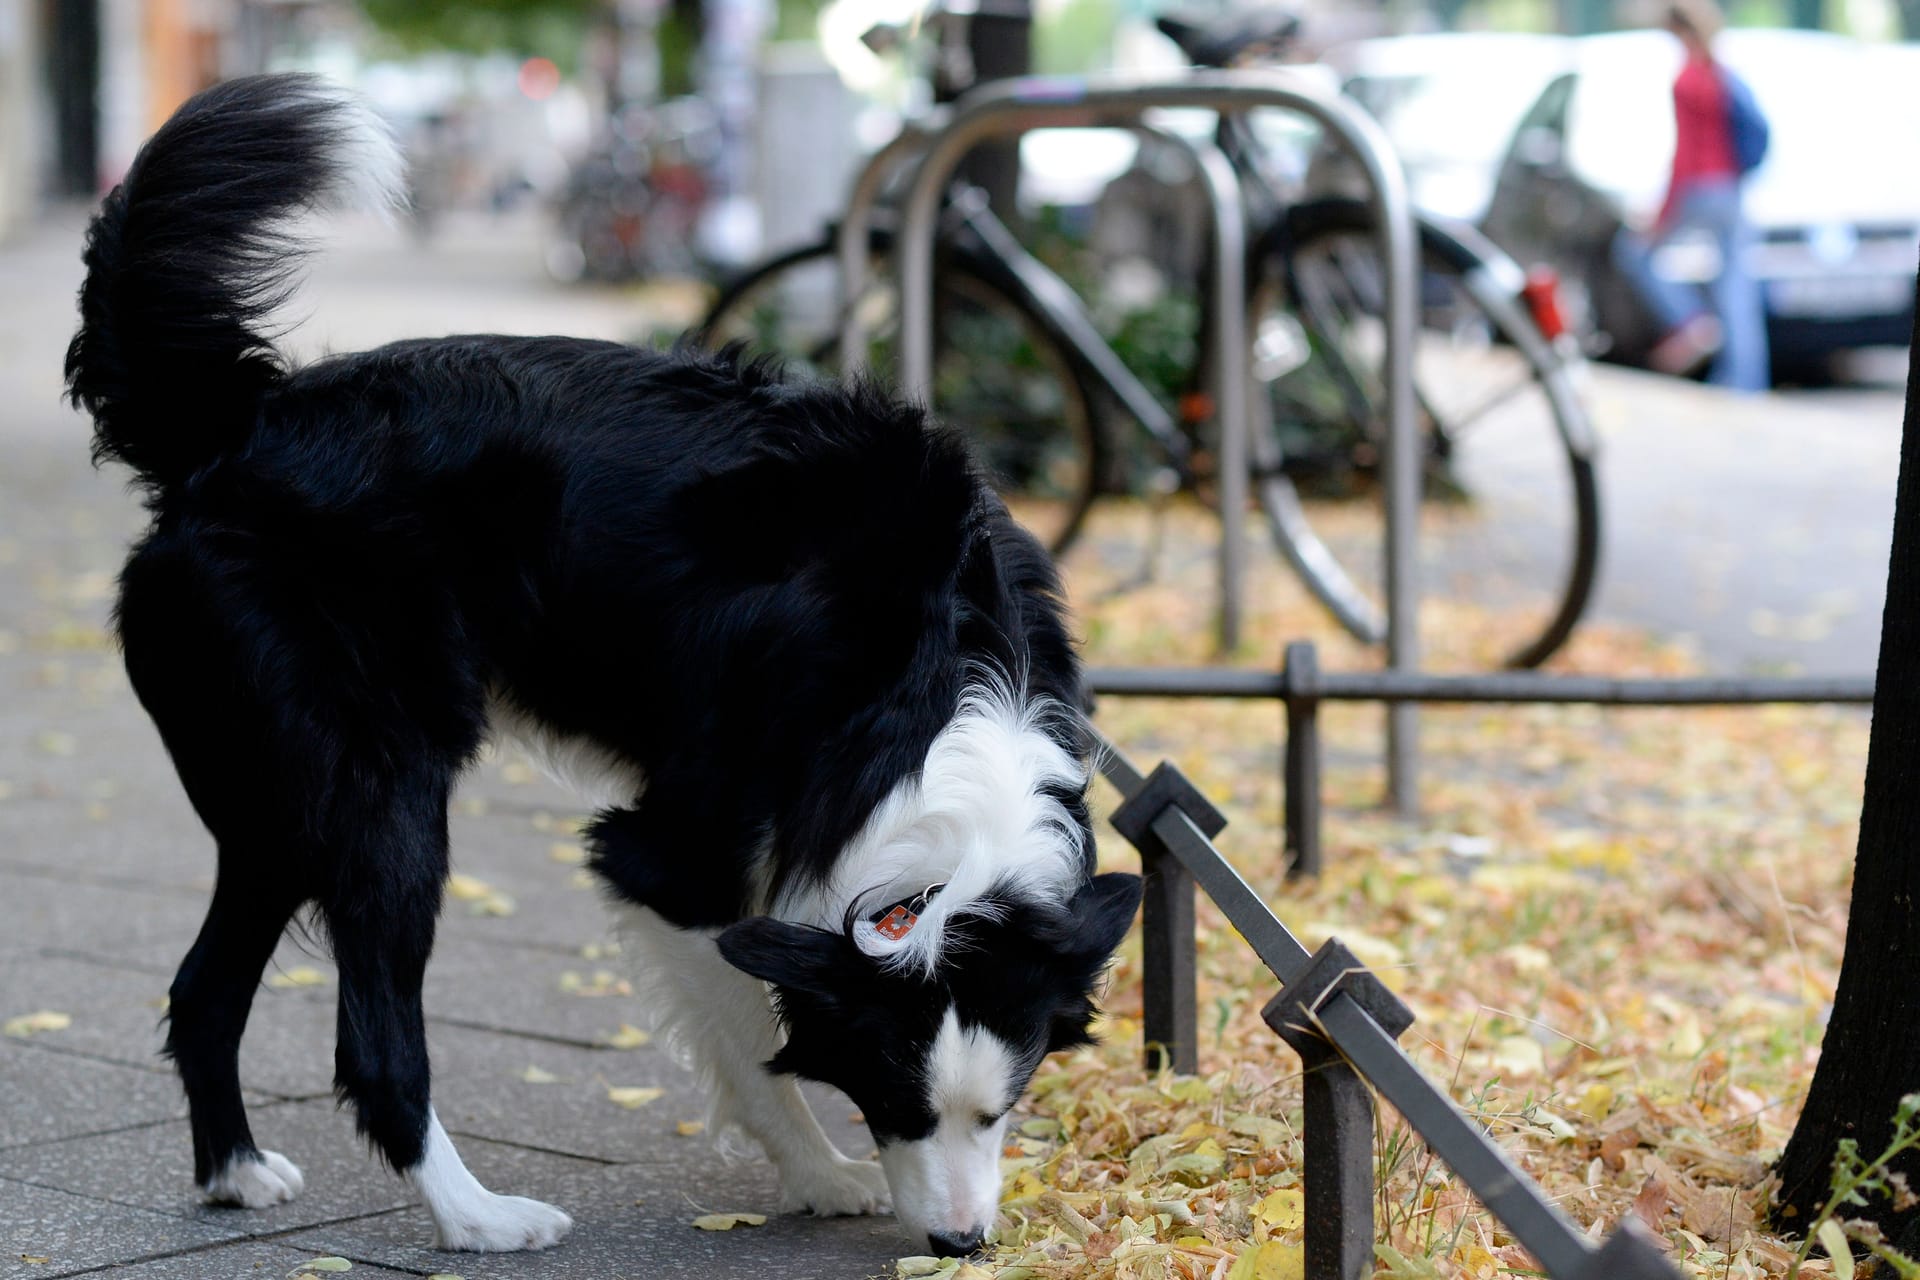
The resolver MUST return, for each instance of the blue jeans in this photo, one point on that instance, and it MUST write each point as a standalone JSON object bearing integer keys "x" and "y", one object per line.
{"x": 1710, "y": 205}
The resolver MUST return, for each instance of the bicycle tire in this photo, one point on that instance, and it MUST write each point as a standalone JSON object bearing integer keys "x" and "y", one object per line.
{"x": 1468, "y": 272}
{"x": 1048, "y": 474}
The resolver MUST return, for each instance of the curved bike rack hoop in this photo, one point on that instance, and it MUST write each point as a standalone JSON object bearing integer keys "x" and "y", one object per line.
{"x": 1014, "y": 106}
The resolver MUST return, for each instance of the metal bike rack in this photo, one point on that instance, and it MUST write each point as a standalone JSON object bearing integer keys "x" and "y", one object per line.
{"x": 851, "y": 241}
{"x": 1014, "y": 106}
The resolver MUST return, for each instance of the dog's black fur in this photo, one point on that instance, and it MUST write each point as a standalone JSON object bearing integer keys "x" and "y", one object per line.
{"x": 766, "y": 597}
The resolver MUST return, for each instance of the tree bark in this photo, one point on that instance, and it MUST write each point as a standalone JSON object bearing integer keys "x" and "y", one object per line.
{"x": 1871, "y": 1054}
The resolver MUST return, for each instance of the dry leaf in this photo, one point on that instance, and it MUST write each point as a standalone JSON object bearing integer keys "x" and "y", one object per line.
{"x": 632, "y": 1097}
{"x": 629, "y": 1037}
{"x": 329, "y": 1263}
{"x": 1651, "y": 1205}
{"x": 32, "y": 1024}
{"x": 1270, "y": 1261}
{"x": 728, "y": 1221}
{"x": 571, "y": 855}
{"x": 690, "y": 1128}
{"x": 482, "y": 898}
{"x": 301, "y": 975}
{"x": 538, "y": 1075}
{"x": 1284, "y": 1210}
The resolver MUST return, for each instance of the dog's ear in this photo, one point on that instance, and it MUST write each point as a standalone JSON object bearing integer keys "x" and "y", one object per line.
{"x": 1101, "y": 913}
{"x": 1097, "y": 919}
{"x": 793, "y": 957}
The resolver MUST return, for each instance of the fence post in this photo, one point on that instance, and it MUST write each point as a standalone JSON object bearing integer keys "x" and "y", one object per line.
{"x": 1337, "y": 1105}
{"x": 1300, "y": 676}
{"x": 1169, "y": 997}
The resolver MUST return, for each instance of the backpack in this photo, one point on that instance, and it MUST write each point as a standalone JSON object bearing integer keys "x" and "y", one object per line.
{"x": 1746, "y": 124}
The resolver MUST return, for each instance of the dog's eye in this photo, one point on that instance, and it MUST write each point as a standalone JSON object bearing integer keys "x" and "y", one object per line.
{"x": 982, "y": 1120}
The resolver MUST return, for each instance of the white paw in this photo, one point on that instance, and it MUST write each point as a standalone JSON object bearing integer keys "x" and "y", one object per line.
{"x": 502, "y": 1224}
{"x": 841, "y": 1187}
{"x": 255, "y": 1181}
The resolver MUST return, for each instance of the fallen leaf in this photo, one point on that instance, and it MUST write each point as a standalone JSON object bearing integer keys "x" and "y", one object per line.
{"x": 690, "y": 1128}
{"x": 482, "y": 898}
{"x": 632, "y": 1097}
{"x": 629, "y": 1037}
{"x": 538, "y": 1075}
{"x": 1652, "y": 1203}
{"x": 1284, "y": 1210}
{"x": 32, "y": 1024}
{"x": 54, "y": 742}
{"x": 301, "y": 975}
{"x": 1270, "y": 1261}
{"x": 1834, "y": 1241}
{"x": 571, "y": 855}
{"x": 35, "y": 1259}
{"x": 728, "y": 1221}
{"x": 329, "y": 1263}
{"x": 918, "y": 1264}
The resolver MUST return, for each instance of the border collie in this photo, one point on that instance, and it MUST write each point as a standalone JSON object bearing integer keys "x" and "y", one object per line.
{"x": 818, "y": 678}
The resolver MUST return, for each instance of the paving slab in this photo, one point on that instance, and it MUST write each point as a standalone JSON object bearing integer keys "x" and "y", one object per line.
{"x": 481, "y": 1087}
{"x": 117, "y": 1015}
{"x": 151, "y": 1168}
{"x": 47, "y": 1095}
{"x": 526, "y": 990}
{"x": 49, "y": 908}
{"x": 75, "y": 1234}
{"x": 236, "y": 1260}
{"x": 635, "y": 1221}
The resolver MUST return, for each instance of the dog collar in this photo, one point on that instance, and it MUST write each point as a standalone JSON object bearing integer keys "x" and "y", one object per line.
{"x": 897, "y": 921}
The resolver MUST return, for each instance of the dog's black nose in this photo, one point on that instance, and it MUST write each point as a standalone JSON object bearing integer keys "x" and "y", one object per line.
{"x": 955, "y": 1246}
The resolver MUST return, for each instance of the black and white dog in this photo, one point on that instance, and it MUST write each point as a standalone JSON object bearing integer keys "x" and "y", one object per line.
{"x": 820, "y": 679}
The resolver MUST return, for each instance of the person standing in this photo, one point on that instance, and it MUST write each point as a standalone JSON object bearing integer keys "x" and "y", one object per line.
{"x": 1714, "y": 118}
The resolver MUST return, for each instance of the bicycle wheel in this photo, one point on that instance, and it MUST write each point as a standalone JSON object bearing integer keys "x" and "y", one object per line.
{"x": 999, "y": 376}
{"x": 1509, "y": 532}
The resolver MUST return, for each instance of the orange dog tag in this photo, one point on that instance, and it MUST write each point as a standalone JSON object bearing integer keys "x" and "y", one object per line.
{"x": 897, "y": 923}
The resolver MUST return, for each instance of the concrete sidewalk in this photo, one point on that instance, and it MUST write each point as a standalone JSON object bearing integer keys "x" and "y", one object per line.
{"x": 105, "y": 871}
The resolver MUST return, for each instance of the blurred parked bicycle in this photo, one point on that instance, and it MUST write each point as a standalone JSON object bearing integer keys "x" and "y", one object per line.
{"x": 631, "y": 207}
{"x": 1512, "y": 513}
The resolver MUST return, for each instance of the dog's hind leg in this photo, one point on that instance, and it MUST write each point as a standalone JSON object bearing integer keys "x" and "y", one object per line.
{"x": 207, "y": 1011}
{"x": 722, "y": 1021}
{"x": 392, "y": 860}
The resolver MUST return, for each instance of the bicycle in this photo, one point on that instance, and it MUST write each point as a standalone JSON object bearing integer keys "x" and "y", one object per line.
{"x": 1022, "y": 367}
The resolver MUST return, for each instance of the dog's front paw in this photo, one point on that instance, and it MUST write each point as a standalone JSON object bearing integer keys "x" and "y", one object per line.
{"x": 502, "y": 1224}
{"x": 837, "y": 1188}
{"x": 255, "y": 1181}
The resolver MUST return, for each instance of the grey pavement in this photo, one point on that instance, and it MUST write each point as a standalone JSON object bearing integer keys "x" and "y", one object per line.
{"x": 1759, "y": 526}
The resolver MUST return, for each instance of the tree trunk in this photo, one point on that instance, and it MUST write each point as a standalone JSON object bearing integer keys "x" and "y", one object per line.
{"x": 1871, "y": 1055}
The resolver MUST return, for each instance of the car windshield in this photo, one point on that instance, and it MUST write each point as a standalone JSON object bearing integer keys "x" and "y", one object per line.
{"x": 1817, "y": 92}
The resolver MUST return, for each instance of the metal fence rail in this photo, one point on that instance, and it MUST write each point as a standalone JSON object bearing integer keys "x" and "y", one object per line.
{"x": 1344, "y": 1023}
{"x": 1301, "y": 687}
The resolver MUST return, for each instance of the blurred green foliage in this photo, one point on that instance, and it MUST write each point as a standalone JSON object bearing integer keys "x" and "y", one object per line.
{"x": 552, "y": 28}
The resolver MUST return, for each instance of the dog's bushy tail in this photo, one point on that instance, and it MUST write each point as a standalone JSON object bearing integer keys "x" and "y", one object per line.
{"x": 190, "y": 254}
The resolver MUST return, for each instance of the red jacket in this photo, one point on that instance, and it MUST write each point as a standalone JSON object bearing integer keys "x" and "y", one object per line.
{"x": 1703, "y": 135}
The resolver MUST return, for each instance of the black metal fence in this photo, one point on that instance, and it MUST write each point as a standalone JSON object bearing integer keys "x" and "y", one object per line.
{"x": 1344, "y": 1023}
{"x": 1331, "y": 1009}
{"x": 1302, "y": 687}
